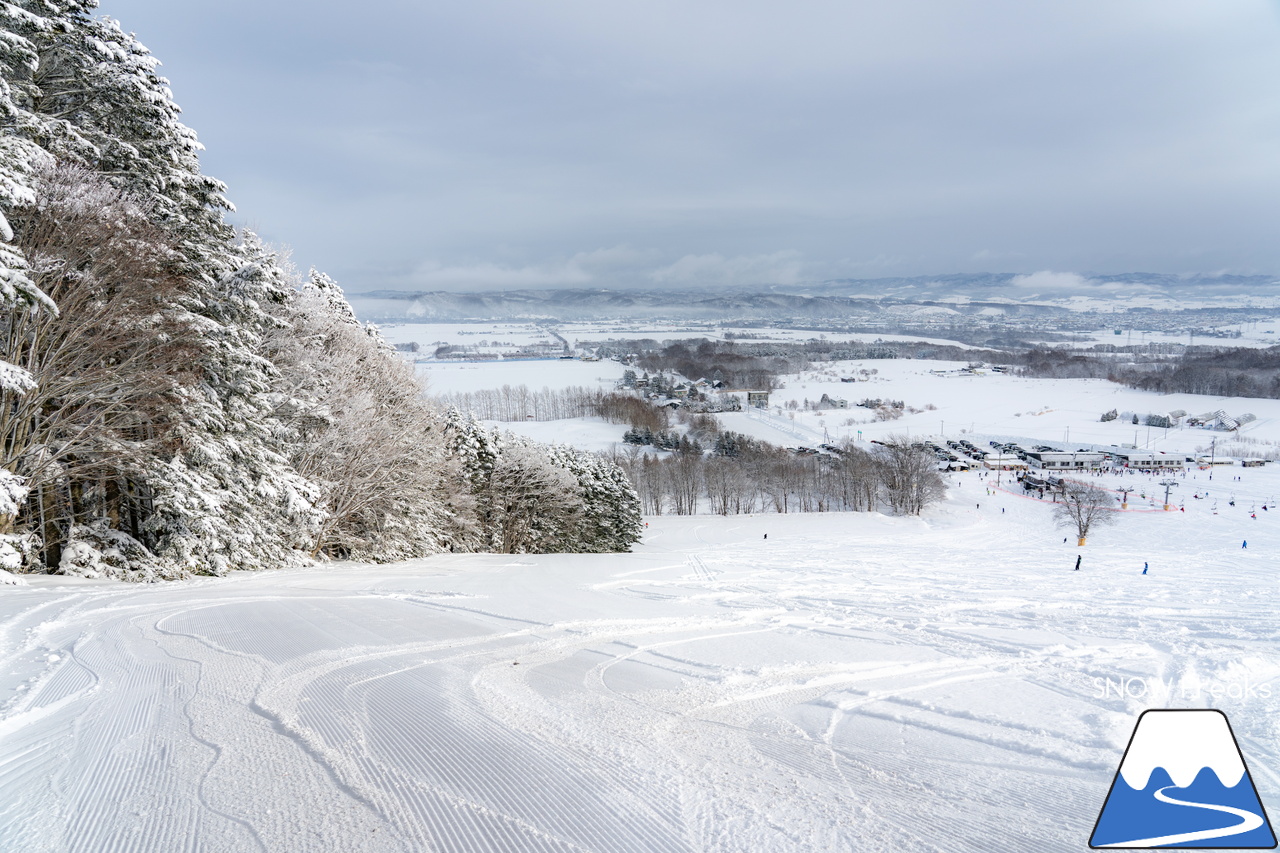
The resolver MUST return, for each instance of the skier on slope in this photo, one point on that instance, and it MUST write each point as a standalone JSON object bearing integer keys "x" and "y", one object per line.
{"x": 1078, "y": 557}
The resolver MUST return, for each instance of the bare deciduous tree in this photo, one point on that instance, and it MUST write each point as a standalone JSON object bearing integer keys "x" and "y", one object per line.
{"x": 365, "y": 434}
{"x": 909, "y": 476}
{"x": 111, "y": 365}
{"x": 1084, "y": 507}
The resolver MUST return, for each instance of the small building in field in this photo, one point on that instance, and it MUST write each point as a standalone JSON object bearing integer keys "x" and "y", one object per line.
{"x": 1003, "y": 463}
{"x": 1252, "y": 463}
{"x": 828, "y": 402}
{"x": 758, "y": 399}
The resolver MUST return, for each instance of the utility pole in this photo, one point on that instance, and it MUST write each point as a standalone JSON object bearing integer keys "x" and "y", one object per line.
{"x": 1168, "y": 484}
{"x": 1213, "y": 455}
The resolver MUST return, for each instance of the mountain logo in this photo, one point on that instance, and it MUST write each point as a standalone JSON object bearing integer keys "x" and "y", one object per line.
{"x": 1183, "y": 783}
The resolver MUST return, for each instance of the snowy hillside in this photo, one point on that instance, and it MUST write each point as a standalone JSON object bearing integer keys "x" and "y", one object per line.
{"x": 851, "y": 682}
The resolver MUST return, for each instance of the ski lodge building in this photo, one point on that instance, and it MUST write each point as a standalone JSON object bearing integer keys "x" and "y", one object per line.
{"x": 1058, "y": 460}
{"x": 1003, "y": 463}
{"x": 1146, "y": 460}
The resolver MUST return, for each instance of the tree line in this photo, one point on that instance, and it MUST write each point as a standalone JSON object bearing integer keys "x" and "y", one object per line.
{"x": 1165, "y": 368}
{"x": 744, "y": 475}
{"x": 519, "y": 403}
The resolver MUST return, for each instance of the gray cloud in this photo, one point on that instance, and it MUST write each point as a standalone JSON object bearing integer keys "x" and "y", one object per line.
{"x": 485, "y": 144}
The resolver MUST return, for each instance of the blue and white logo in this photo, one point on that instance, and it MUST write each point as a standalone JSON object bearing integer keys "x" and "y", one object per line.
{"x": 1183, "y": 783}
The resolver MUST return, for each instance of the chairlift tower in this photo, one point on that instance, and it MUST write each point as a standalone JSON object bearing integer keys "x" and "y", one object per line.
{"x": 1168, "y": 484}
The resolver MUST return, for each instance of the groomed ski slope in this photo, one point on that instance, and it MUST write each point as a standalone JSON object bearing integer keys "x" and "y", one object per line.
{"x": 852, "y": 682}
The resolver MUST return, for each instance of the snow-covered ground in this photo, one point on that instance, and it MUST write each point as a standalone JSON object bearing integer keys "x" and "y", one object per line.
{"x": 1057, "y": 411}
{"x": 450, "y": 377}
{"x": 852, "y": 682}
{"x": 500, "y": 338}
{"x": 594, "y": 434}
{"x": 1260, "y": 333}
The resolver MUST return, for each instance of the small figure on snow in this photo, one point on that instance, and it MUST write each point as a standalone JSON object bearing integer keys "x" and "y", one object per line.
{"x": 1077, "y": 562}
{"x": 1144, "y": 568}
{"x": 1244, "y": 543}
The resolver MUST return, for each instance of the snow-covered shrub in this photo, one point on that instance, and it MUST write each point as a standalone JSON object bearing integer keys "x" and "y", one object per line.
{"x": 80, "y": 559}
{"x": 16, "y": 550}
{"x": 97, "y": 550}
{"x": 13, "y": 492}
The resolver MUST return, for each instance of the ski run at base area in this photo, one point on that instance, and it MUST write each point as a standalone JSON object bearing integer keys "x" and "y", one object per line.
{"x": 852, "y": 682}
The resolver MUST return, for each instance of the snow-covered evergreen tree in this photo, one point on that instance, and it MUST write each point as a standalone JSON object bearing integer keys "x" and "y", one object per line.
{"x": 586, "y": 503}
{"x": 610, "y": 517}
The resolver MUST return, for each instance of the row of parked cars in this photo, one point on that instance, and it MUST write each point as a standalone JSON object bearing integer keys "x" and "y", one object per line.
{"x": 822, "y": 448}
{"x": 1021, "y": 452}
{"x": 964, "y": 447}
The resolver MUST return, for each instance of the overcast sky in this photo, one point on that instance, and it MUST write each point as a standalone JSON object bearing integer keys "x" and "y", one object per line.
{"x": 428, "y": 145}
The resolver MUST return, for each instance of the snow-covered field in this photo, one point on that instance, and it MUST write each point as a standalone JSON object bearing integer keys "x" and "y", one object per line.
{"x": 852, "y": 682}
{"x": 1062, "y": 412}
{"x": 505, "y": 337}
{"x": 1259, "y": 333}
{"x": 450, "y": 377}
{"x": 501, "y": 337}
{"x": 1057, "y": 411}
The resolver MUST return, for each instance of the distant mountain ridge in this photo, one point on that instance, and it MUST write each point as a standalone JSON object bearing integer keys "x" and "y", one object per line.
{"x": 1011, "y": 294}
{"x": 1051, "y": 286}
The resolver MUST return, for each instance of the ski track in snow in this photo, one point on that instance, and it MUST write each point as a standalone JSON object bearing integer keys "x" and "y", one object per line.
{"x": 851, "y": 683}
